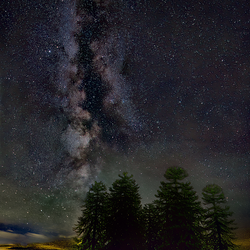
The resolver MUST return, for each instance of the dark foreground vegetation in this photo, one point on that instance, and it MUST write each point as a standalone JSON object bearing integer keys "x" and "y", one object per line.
{"x": 116, "y": 219}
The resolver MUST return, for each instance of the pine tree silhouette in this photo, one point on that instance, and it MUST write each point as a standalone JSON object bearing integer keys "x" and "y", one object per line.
{"x": 91, "y": 226}
{"x": 151, "y": 226}
{"x": 180, "y": 212}
{"x": 219, "y": 228}
{"x": 124, "y": 227}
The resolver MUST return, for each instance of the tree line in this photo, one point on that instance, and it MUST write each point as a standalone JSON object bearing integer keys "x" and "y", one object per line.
{"x": 176, "y": 219}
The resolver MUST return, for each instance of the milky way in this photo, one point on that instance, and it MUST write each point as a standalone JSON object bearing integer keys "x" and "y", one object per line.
{"x": 64, "y": 103}
{"x": 90, "y": 89}
{"x": 93, "y": 91}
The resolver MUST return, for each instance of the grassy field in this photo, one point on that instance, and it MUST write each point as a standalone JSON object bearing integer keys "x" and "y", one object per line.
{"x": 55, "y": 245}
{"x": 67, "y": 244}
{"x": 243, "y": 243}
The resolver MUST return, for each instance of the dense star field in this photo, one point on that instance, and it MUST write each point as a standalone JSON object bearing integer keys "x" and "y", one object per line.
{"x": 90, "y": 89}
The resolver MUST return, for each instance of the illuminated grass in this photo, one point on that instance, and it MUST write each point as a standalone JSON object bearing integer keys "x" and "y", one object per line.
{"x": 55, "y": 245}
{"x": 243, "y": 243}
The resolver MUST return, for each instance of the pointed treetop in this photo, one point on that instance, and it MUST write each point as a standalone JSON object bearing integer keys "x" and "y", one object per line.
{"x": 213, "y": 194}
{"x": 212, "y": 189}
{"x": 124, "y": 174}
{"x": 175, "y": 173}
{"x": 97, "y": 186}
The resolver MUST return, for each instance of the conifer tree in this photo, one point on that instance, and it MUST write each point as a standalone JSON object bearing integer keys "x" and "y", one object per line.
{"x": 179, "y": 211}
{"x": 124, "y": 229}
{"x": 91, "y": 226}
{"x": 151, "y": 226}
{"x": 219, "y": 228}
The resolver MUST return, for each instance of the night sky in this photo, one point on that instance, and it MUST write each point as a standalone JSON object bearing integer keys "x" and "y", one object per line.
{"x": 136, "y": 86}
